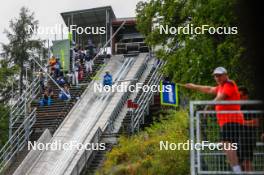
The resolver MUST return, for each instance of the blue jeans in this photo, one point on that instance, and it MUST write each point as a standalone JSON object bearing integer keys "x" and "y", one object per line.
{"x": 44, "y": 102}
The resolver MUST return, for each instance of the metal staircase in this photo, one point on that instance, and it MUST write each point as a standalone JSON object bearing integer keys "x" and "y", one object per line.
{"x": 28, "y": 120}
{"x": 16, "y": 142}
{"x": 22, "y": 108}
{"x": 103, "y": 127}
{"x": 50, "y": 117}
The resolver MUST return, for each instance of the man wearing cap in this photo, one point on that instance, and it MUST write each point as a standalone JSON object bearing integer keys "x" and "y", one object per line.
{"x": 230, "y": 124}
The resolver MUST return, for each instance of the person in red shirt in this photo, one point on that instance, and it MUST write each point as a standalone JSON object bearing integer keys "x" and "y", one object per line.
{"x": 230, "y": 123}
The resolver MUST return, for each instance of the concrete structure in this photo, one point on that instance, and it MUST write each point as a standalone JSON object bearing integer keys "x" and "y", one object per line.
{"x": 92, "y": 112}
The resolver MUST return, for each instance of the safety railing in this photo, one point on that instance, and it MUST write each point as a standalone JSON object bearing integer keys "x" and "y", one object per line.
{"x": 214, "y": 133}
{"x": 122, "y": 72}
{"x": 88, "y": 155}
{"x": 17, "y": 141}
{"x": 124, "y": 98}
{"x": 143, "y": 101}
{"x": 118, "y": 107}
{"x": 78, "y": 165}
{"x": 21, "y": 108}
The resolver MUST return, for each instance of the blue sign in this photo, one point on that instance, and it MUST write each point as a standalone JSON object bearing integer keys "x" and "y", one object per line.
{"x": 169, "y": 94}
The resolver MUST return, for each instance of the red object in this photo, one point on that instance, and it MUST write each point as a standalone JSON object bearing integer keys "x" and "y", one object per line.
{"x": 80, "y": 74}
{"x": 131, "y": 104}
{"x": 230, "y": 89}
{"x": 135, "y": 105}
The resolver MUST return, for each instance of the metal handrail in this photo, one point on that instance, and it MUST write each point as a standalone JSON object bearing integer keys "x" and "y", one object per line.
{"x": 17, "y": 141}
{"x": 98, "y": 129}
{"x": 143, "y": 104}
{"x": 121, "y": 103}
{"x": 229, "y": 102}
{"x": 110, "y": 121}
{"x": 19, "y": 109}
{"x": 100, "y": 70}
{"x": 87, "y": 153}
{"x": 29, "y": 97}
{"x": 154, "y": 74}
{"x": 119, "y": 76}
{"x": 145, "y": 97}
{"x": 20, "y": 99}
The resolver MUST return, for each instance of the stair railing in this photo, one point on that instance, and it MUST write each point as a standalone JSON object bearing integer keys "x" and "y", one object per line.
{"x": 21, "y": 108}
{"x": 17, "y": 141}
{"x": 144, "y": 99}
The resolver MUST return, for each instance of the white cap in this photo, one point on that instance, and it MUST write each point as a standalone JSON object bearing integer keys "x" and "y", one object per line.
{"x": 220, "y": 70}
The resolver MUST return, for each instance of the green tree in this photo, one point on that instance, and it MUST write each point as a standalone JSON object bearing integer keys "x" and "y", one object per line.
{"x": 191, "y": 58}
{"x": 7, "y": 76}
{"x": 21, "y": 46}
{"x": 4, "y": 116}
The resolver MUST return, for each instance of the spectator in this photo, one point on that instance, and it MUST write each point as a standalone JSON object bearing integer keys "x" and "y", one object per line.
{"x": 91, "y": 47}
{"x": 83, "y": 52}
{"x": 80, "y": 73}
{"x": 52, "y": 62}
{"x": 80, "y": 55}
{"x": 60, "y": 80}
{"x": 249, "y": 132}
{"x": 104, "y": 55}
{"x": 65, "y": 93}
{"x": 69, "y": 77}
{"x": 166, "y": 80}
{"x": 42, "y": 81}
{"x": 95, "y": 51}
{"x": 230, "y": 124}
{"x": 50, "y": 91}
{"x": 249, "y": 137}
{"x": 76, "y": 55}
{"x": 73, "y": 57}
{"x": 107, "y": 79}
{"x": 57, "y": 68}
{"x": 46, "y": 99}
{"x": 76, "y": 73}
{"x": 88, "y": 62}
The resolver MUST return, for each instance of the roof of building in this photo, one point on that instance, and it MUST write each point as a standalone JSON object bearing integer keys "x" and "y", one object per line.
{"x": 129, "y": 21}
{"x": 94, "y": 17}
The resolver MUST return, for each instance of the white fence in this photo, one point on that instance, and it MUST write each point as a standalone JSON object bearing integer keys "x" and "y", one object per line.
{"x": 209, "y": 157}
